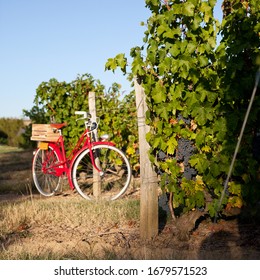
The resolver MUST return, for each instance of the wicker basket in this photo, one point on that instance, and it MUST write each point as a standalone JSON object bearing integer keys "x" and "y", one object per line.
{"x": 44, "y": 132}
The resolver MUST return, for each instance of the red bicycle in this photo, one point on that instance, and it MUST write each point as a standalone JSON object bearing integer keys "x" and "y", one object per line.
{"x": 95, "y": 168}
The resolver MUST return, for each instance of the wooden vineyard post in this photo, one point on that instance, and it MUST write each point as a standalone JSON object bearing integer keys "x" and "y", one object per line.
{"x": 96, "y": 176}
{"x": 149, "y": 182}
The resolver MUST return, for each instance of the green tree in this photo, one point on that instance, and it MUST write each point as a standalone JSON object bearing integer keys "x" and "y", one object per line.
{"x": 11, "y": 130}
{"x": 60, "y": 100}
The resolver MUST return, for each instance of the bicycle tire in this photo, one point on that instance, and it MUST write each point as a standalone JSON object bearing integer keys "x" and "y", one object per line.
{"x": 46, "y": 182}
{"x": 116, "y": 173}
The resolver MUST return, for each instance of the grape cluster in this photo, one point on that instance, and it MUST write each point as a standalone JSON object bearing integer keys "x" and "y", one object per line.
{"x": 161, "y": 155}
{"x": 163, "y": 202}
{"x": 185, "y": 120}
{"x": 184, "y": 152}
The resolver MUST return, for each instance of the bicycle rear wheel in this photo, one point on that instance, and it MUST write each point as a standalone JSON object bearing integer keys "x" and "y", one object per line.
{"x": 43, "y": 170}
{"x": 109, "y": 184}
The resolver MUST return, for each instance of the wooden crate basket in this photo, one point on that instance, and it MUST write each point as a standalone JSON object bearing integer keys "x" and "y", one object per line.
{"x": 44, "y": 132}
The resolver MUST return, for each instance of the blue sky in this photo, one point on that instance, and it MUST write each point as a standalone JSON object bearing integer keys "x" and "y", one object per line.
{"x": 44, "y": 39}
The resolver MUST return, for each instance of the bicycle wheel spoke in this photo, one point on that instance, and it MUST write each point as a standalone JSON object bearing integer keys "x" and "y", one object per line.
{"x": 44, "y": 162}
{"x": 113, "y": 179}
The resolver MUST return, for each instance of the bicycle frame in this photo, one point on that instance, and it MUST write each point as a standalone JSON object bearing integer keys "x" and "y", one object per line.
{"x": 65, "y": 164}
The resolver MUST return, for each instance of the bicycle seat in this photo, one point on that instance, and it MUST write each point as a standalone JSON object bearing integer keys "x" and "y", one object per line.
{"x": 58, "y": 125}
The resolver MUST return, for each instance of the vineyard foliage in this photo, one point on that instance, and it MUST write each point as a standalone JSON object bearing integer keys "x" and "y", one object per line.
{"x": 197, "y": 92}
{"x": 59, "y": 101}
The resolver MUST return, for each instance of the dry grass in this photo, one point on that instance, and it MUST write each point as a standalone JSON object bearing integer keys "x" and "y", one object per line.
{"x": 62, "y": 227}
{"x": 15, "y": 166}
{"x": 69, "y": 227}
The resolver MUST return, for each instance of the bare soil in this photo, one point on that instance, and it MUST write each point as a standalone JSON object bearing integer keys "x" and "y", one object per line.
{"x": 232, "y": 237}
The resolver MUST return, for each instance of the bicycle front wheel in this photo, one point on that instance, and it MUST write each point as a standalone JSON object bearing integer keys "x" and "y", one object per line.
{"x": 43, "y": 170}
{"x": 111, "y": 182}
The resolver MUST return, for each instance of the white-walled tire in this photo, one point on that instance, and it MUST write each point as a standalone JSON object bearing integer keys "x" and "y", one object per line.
{"x": 109, "y": 184}
{"x": 46, "y": 182}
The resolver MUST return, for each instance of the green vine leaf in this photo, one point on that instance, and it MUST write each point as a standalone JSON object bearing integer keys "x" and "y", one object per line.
{"x": 197, "y": 92}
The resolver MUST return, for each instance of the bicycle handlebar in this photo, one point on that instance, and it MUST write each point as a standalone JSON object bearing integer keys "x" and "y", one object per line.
{"x": 85, "y": 115}
{"x": 92, "y": 125}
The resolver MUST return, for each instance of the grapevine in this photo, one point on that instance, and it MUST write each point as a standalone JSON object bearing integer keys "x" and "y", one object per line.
{"x": 197, "y": 93}
{"x": 117, "y": 115}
